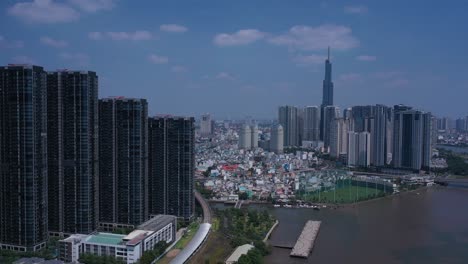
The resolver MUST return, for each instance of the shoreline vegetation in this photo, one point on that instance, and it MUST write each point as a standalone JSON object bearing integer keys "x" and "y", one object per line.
{"x": 235, "y": 227}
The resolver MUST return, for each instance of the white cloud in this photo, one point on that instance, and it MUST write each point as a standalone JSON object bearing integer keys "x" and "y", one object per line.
{"x": 92, "y": 6}
{"x": 156, "y": 59}
{"x": 387, "y": 74}
{"x": 173, "y": 28}
{"x": 304, "y": 60}
{"x": 78, "y": 58}
{"x": 15, "y": 44}
{"x": 135, "y": 36}
{"x": 356, "y": 9}
{"x": 224, "y": 76}
{"x": 178, "y": 69}
{"x": 53, "y": 42}
{"x": 317, "y": 38}
{"x": 350, "y": 77}
{"x": 95, "y": 35}
{"x": 241, "y": 37}
{"x": 23, "y": 60}
{"x": 43, "y": 11}
{"x": 366, "y": 58}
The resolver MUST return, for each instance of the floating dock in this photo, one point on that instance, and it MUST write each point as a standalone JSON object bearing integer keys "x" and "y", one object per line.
{"x": 305, "y": 242}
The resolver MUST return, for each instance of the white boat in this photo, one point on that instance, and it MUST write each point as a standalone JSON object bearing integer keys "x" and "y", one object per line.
{"x": 276, "y": 205}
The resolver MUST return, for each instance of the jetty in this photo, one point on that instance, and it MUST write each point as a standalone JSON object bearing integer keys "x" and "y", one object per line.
{"x": 305, "y": 242}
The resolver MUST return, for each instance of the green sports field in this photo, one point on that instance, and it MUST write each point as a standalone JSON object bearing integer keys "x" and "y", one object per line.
{"x": 345, "y": 194}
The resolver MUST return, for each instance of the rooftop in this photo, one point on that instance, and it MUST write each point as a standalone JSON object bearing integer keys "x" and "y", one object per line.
{"x": 106, "y": 238}
{"x": 157, "y": 222}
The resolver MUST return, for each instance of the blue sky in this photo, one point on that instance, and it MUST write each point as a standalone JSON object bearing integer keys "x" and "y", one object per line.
{"x": 238, "y": 58}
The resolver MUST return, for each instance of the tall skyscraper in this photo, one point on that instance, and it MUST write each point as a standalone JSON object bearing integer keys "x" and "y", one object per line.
{"x": 338, "y": 137}
{"x": 73, "y": 151}
{"x": 288, "y": 119}
{"x": 412, "y": 139}
{"x": 312, "y": 123}
{"x": 206, "y": 125}
{"x": 359, "y": 149}
{"x": 23, "y": 158}
{"x": 361, "y": 117}
{"x": 327, "y": 94}
{"x": 276, "y": 140}
{"x": 254, "y": 136}
{"x": 245, "y": 137}
{"x": 380, "y": 134}
{"x": 171, "y": 166}
{"x": 329, "y": 114}
{"x": 123, "y": 161}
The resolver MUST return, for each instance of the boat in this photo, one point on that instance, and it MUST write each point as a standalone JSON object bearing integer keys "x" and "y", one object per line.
{"x": 276, "y": 205}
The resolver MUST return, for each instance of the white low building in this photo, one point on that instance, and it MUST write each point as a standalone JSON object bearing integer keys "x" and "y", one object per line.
{"x": 128, "y": 248}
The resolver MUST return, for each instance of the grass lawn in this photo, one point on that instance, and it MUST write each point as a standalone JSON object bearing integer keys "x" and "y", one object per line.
{"x": 347, "y": 194}
{"x": 216, "y": 250}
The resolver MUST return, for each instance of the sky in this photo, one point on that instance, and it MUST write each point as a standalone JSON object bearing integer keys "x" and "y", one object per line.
{"x": 247, "y": 57}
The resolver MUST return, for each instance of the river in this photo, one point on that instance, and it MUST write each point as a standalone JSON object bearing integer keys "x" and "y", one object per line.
{"x": 461, "y": 150}
{"x": 429, "y": 227}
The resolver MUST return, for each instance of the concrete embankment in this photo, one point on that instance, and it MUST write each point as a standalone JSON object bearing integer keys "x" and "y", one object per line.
{"x": 306, "y": 239}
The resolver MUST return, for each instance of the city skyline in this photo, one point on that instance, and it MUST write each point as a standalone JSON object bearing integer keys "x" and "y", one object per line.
{"x": 244, "y": 61}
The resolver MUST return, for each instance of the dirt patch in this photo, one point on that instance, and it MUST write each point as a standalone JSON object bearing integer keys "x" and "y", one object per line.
{"x": 172, "y": 253}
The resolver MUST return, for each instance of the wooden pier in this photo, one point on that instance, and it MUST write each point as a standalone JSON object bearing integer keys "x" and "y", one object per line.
{"x": 305, "y": 242}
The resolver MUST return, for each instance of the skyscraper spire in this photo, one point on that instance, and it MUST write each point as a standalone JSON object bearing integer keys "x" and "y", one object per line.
{"x": 328, "y": 53}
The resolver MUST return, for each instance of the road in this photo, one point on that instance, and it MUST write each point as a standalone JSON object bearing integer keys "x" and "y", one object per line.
{"x": 205, "y": 207}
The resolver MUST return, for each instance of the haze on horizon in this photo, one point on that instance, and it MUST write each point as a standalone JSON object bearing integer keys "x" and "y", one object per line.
{"x": 239, "y": 58}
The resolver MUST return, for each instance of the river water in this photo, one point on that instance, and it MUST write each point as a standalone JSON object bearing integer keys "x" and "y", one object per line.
{"x": 429, "y": 227}
{"x": 461, "y": 150}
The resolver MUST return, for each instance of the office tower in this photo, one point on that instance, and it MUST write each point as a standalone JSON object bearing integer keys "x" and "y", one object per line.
{"x": 330, "y": 113}
{"x": 287, "y": 117}
{"x": 245, "y": 137}
{"x": 206, "y": 125}
{"x": 359, "y": 149}
{"x": 380, "y": 122}
{"x": 171, "y": 166}
{"x": 123, "y": 160}
{"x": 276, "y": 139}
{"x": 73, "y": 151}
{"x": 338, "y": 137}
{"x": 327, "y": 93}
{"x": 444, "y": 124}
{"x": 412, "y": 139}
{"x": 427, "y": 140}
{"x": 312, "y": 123}
{"x": 327, "y": 96}
{"x": 361, "y": 117}
{"x": 23, "y": 158}
{"x": 460, "y": 124}
{"x": 254, "y": 136}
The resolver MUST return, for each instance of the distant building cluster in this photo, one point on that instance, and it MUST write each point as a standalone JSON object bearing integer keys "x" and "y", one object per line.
{"x": 372, "y": 135}
{"x": 72, "y": 164}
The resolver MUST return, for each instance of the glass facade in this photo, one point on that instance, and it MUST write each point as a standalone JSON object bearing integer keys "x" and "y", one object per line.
{"x": 73, "y": 151}
{"x": 123, "y": 165}
{"x": 171, "y": 166}
{"x": 23, "y": 158}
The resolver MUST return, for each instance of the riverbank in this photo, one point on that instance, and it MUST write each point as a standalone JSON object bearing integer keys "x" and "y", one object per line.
{"x": 428, "y": 227}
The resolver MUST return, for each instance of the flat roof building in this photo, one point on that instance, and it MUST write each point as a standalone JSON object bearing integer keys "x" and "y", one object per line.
{"x": 128, "y": 248}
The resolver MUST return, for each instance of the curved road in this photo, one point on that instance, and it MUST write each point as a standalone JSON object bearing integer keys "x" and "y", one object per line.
{"x": 205, "y": 207}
